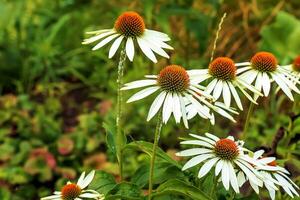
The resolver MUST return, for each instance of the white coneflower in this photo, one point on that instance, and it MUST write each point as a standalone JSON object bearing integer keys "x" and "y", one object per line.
{"x": 223, "y": 81}
{"x": 294, "y": 69}
{"x": 130, "y": 28}
{"x": 264, "y": 68}
{"x": 226, "y": 155}
{"x": 72, "y": 191}
{"x": 175, "y": 87}
{"x": 273, "y": 175}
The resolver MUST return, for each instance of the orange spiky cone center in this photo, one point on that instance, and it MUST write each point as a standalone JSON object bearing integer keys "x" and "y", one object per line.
{"x": 130, "y": 24}
{"x": 222, "y": 68}
{"x": 264, "y": 62}
{"x": 296, "y": 64}
{"x": 70, "y": 191}
{"x": 226, "y": 149}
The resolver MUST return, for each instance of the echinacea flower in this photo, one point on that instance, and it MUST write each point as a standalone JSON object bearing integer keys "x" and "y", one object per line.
{"x": 130, "y": 28}
{"x": 175, "y": 87}
{"x": 264, "y": 68}
{"x": 273, "y": 175}
{"x": 226, "y": 155}
{"x": 224, "y": 81}
{"x": 72, "y": 191}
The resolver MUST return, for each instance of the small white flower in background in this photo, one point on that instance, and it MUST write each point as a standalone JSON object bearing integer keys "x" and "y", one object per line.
{"x": 264, "y": 68}
{"x": 176, "y": 89}
{"x": 72, "y": 191}
{"x": 226, "y": 155}
{"x": 273, "y": 175}
{"x": 224, "y": 81}
{"x": 130, "y": 28}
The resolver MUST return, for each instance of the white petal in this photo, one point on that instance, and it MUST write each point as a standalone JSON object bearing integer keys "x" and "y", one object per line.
{"x": 196, "y": 160}
{"x": 219, "y": 167}
{"x": 167, "y": 107}
{"x": 183, "y": 111}
{"x": 52, "y": 197}
{"x": 105, "y": 41}
{"x": 89, "y": 195}
{"x": 258, "y": 154}
{"x": 203, "y": 138}
{"x": 267, "y": 160}
{"x": 241, "y": 178}
{"x": 143, "y": 93}
{"x": 225, "y": 175}
{"x": 114, "y": 47}
{"x": 210, "y": 87}
{"x": 226, "y": 94}
{"x": 213, "y": 137}
{"x": 146, "y": 49}
{"x": 233, "y": 178}
{"x": 266, "y": 84}
{"x": 87, "y": 180}
{"x": 130, "y": 48}
{"x": 193, "y": 152}
{"x": 156, "y": 105}
{"x": 155, "y": 47}
{"x": 98, "y": 37}
{"x": 259, "y": 82}
{"x": 176, "y": 108}
{"x": 283, "y": 86}
{"x": 207, "y": 167}
{"x": 218, "y": 89}
{"x": 138, "y": 84}
{"x": 81, "y": 179}
{"x": 197, "y": 142}
{"x": 235, "y": 96}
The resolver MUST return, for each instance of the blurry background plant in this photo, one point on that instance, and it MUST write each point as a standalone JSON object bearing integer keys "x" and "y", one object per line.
{"x": 56, "y": 94}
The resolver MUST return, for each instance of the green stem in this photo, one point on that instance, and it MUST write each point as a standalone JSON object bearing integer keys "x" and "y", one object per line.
{"x": 213, "y": 191}
{"x": 156, "y": 139}
{"x": 120, "y": 137}
{"x": 250, "y": 111}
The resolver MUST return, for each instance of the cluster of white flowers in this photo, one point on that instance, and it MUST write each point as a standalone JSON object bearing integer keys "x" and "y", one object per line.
{"x": 181, "y": 93}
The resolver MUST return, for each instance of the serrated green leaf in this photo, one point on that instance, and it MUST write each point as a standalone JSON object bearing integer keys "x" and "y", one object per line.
{"x": 103, "y": 182}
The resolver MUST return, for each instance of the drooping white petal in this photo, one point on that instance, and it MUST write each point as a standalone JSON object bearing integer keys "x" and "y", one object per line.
{"x": 81, "y": 179}
{"x": 235, "y": 96}
{"x": 155, "y": 47}
{"x": 196, "y": 160}
{"x": 52, "y": 197}
{"x": 242, "y": 64}
{"x": 183, "y": 111}
{"x": 176, "y": 108}
{"x": 89, "y": 195}
{"x": 258, "y": 154}
{"x": 210, "y": 87}
{"x": 97, "y": 32}
{"x": 114, "y": 47}
{"x": 156, "y": 34}
{"x": 226, "y": 94}
{"x": 198, "y": 142}
{"x": 146, "y": 49}
{"x": 233, "y": 178}
{"x": 143, "y": 93}
{"x": 218, "y": 89}
{"x": 130, "y": 49}
{"x": 225, "y": 175}
{"x": 167, "y": 107}
{"x": 156, "y": 105}
{"x": 283, "y": 86}
{"x": 207, "y": 167}
{"x": 219, "y": 167}
{"x": 213, "y": 137}
{"x": 105, "y": 41}
{"x": 203, "y": 138}
{"x": 266, "y": 84}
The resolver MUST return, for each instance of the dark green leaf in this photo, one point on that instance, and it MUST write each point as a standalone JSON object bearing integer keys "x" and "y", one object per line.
{"x": 125, "y": 191}
{"x": 103, "y": 182}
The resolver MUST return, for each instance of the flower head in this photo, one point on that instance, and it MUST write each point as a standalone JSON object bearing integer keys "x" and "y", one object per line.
{"x": 177, "y": 89}
{"x": 272, "y": 175}
{"x": 264, "y": 68}
{"x": 72, "y": 191}
{"x": 130, "y": 27}
{"x": 222, "y": 74}
{"x": 226, "y": 155}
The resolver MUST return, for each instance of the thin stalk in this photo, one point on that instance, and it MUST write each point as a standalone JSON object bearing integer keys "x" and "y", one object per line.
{"x": 120, "y": 137}
{"x": 155, "y": 144}
{"x": 250, "y": 111}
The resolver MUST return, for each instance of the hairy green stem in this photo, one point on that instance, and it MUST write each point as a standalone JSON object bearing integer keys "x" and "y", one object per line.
{"x": 250, "y": 111}
{"x": 155, "y": 144}
{"x": 120, "y": 137}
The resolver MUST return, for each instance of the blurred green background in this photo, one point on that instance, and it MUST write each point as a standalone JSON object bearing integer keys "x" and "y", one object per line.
{"x": 56, "y": 94}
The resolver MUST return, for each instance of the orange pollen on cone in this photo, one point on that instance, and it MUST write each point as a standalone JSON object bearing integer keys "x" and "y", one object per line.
{"x": 70, "y": 191}
{"x": 296, "y": 64}
{"x": 173, "y": 78}
{"x": 130, "y": 24}
{"x": 226, "y": 149}
{"x": 264, "y": 62}
{"x": 222, "y": 68}
{"x": 273, "y": 163}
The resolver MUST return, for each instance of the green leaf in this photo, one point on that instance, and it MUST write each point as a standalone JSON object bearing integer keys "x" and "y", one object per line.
{"x": 162, "y": 171}
{"x": 282, "y": 37}
{"x": 110, "y": 140}
{"x": 146, "y": 147}
{"x": 175, "y": 186}
{"x": 103, "y": 182}
{"x": 125, "y": 191}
